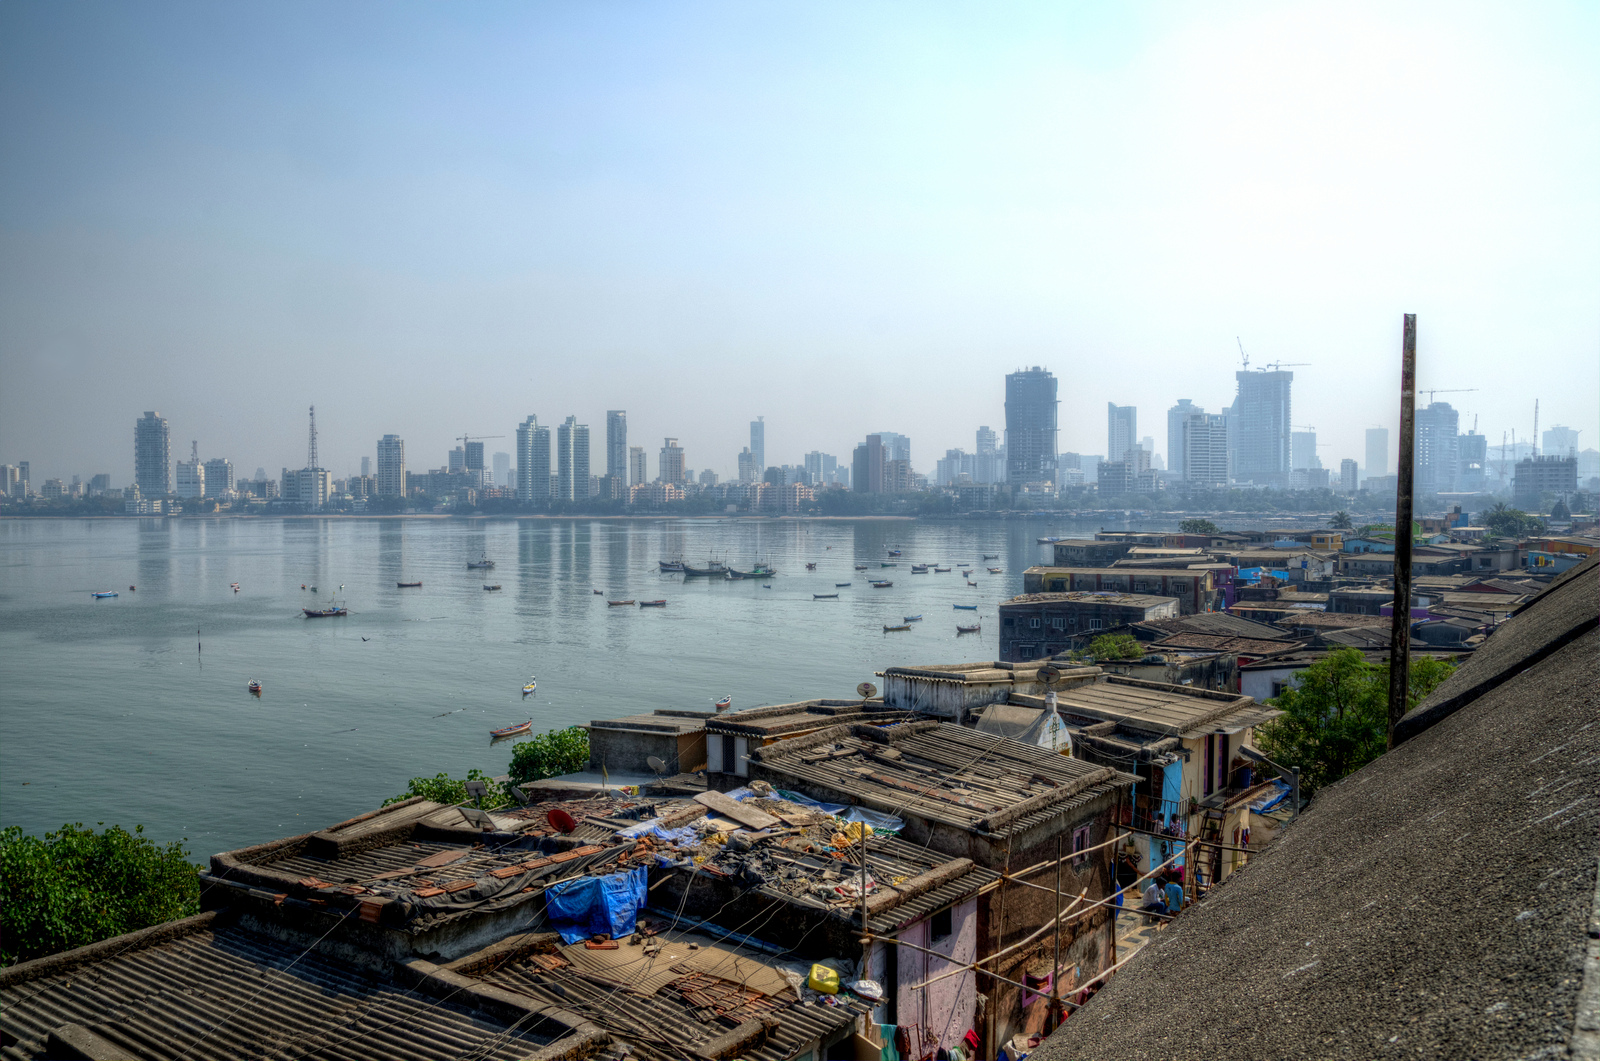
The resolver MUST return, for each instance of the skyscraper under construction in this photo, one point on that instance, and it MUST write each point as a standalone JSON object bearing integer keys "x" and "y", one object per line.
{"x": 1261, "y": 422}
{"x": 1031, "y": 426}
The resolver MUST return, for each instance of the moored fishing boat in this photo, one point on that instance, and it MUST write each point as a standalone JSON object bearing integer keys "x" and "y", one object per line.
{"x": 887, "y": 563}
{"x": 332, "y": 611}
{"x": 671, "y": 565}
{"x": 495, "y": 586}
{"x": 811, "y": 567}
{"x": 991, "y": 556}
{"x": 919, "y": 569}
{"x": 890, "y": 629}
{"x": 713, "y": 567}
{"x": 995, "y": 570}
{"x": 912, "y": 619}
{"x": 882, "y": 584}
{"x": 409, "y": 585}
{"x": 255, "y": 687}
{"x": 894, "y": 552}
{"x": 482, "y": 564}
{"x": 941, "y": 569}
{"x": 965, "y": 607}
{"x": 652, "y": 604}
{"x": 620, "y": 603}
{"x": 758, "y": 571}
{"x": 529, "y": 686}
{"x": 107, "y": 593}
{"x": 861, "y": 567}
{"x": 840, "y": 585}
{"x": 971, "y": 583}
{"x": 723, "y": 704}
{"x": 973, "y": 629}
{"x": 511, "y": 731}
{"x": 824, "y": 596}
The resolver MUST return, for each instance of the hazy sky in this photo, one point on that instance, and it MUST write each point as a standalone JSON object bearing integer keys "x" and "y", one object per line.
{"x": 438, "y": 218}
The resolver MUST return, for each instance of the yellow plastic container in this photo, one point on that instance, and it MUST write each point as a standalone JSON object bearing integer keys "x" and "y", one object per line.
{"x": 824, "y": 979}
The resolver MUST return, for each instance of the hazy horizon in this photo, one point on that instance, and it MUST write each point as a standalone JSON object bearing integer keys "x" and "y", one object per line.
{"x": 431, "y": 220}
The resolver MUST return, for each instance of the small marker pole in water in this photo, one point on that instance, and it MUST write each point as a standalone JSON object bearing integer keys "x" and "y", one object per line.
{"x": 197, "y": 648}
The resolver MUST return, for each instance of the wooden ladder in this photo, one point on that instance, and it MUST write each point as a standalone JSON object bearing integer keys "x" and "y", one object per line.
{"x": 1200, "y": 863}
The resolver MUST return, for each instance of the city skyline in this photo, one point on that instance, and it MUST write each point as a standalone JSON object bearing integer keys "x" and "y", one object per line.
{"x": 574, "y": 231}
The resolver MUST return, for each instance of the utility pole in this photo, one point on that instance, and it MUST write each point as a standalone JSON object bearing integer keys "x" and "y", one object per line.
{"x": 1400, "y": 627}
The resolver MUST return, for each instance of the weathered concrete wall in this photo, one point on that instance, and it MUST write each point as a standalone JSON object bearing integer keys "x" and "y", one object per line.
{"x": 946, "y": 1010}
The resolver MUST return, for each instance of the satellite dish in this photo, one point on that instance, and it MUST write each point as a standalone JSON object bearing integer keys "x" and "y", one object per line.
{"x": 519, "y": 795}
{"x": 866, "y": 689}
{"x": 560, "y": 820}
{"x": 656, "y": 764}
{"x": 477, "y": 790}
{"x": 1049, "y": 675}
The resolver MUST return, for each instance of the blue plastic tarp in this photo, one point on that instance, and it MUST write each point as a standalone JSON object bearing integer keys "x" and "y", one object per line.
{"x": 807, "y": 801}
{"x": 653, "y": 827}
{"x": 597, "y": 906}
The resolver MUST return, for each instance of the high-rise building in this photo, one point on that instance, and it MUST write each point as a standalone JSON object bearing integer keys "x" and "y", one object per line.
{"x": 866, "y": 466}
{"x": 366, "y": 467}
{"x": 1204, "y": 459}
{"x": 1030, "y": 426}
{"x": 748, "y": 472}
{"x": 1261, "y": 418}
{"x": 1560, "y": 441}
{"x": 1472, "y": 451}
{"x": 1303, "y": 450}
{"x": 758, "y": 444}
{"x": 391, "y": 477}
{"x": 152, "y": 456}
{"x": 617, "y": 444}
{"x": 1537, "y": 476}
{"x": 572, "y": 461}
{"x": 986, "y": 441}
{"x": 1122, "y": 430}
{"x": 1176, "y": 417}
{"x": 190, "y": 481}
{"x": 896, "y": 447}
{"x": 501, "y": 462}
{"x": 533, "y": 461}
{"x": 1347, "y": 476}
{"x": 99, "y": 483}
{"x": 475, "y": 458}
{"x": 636, "y": 469}
{"x": 669, "y": 466}
{"x": 1438, "y": 459}
{"x": 457, "y": 461}
{"x": 1377, "y": 451}
{"x": 219, "y": 477}
{"x": 821, "y": 467}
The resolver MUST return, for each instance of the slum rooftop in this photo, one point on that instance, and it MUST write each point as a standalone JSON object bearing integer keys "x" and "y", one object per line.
{"x": 1439, "y": 902}
{"x": 1179, "y": 710}
{"x": 1089, "y": 596}
{"x": 790, "y": 720}
{"x": 940, "y": 773}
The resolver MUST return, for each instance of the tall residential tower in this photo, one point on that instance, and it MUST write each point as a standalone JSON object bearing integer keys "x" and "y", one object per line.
{"x": 617, "y": 445}
{"x": 1031, "y": 426}
{"x": 152, "y": 456}
{"x": 1260, "y": 422}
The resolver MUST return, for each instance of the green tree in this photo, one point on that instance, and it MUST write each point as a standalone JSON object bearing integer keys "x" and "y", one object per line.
{"x": 1340, "y": 520}
{"x": 1336, "y": 717}
{"x": 442, "y": 788}
{"x": 560, "y": 751}
{"x": 76, "y": 886}
{"x": 1116, "y": 646}
{"x": 1197, "y": 526}
{"x": 1503, "y": 521}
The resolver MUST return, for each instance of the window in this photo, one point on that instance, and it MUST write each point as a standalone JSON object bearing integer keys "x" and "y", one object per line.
{"x": 1033, "y": 624}
{"x": 1058, "y": 623}
{"x": 1095, "y": 624}
{"x": 1080, "y": 840}
{"x": 940, "y": 925}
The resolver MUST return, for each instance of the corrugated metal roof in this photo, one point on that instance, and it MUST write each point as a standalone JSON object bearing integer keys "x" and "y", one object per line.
{"x": 1169, "y": 708}
{"x": 158, "y": 1002}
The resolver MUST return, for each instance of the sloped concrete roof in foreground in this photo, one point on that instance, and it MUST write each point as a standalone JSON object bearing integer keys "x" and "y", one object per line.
{"x": 1436, "y": 904}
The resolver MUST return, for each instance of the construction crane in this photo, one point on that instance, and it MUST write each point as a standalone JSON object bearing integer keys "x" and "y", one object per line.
{"x": 464, "y": 439}
{"x": 1242, "y": 355}
{"x": 1446, "y": 390}
{"x": 1276, "y": 365}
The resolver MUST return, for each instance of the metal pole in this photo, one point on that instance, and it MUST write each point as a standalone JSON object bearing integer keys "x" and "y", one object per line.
{"x": 1055, "y": 969}
{"x": 1400, "y": 626}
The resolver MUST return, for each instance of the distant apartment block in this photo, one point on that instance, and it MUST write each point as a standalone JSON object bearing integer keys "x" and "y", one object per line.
{"x": 866, "y": 466}
{"x": 1560, "y": 441}
{"x": 617, "y": 444}
{"x": 1472, "y": 455}
{"x": 1031, "y": 411}
{"x": 1036, "y": 625}
{"x": 218, "y": 477}
{"x": 1537, "y": 476}
{"x": 758, "y": 444}
{"x": 572, "y": 460}
{"x": 501, "y": 465}
{"x": 1122, "y": 430}
{"x": 670, "y": 464}
{"x": 391, "y": 478}
{"x": 1132, "y": 475}
{"x": 1261, "y": 422}
{"x": 1347, "y": 476}
{"x": 1438, "y": 459}
{"x": 636, "y": 467}
{"x": 152, "y": 456}
{"x": 1377, "y": 452}
{"x": 1177, "y": 422}
{"x": 1203, "y": 458}
{"x": 1303, "y": 450}
{"x": 190, "y": 480}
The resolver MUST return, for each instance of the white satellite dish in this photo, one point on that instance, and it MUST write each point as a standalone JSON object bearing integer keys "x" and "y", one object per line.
{"x": 657, "y": 765}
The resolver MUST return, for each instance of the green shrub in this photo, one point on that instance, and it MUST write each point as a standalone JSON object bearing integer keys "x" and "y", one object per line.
{"x": 76, "y": 886}
{"x": 1116, "y": 646}
{"x": 560, "y": 751}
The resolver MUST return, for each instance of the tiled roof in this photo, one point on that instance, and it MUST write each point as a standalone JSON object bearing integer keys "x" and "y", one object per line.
{"x": 217, "y": 991}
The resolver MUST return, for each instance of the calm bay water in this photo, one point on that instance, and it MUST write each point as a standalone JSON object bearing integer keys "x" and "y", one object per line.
{"x": 110, "y": 713}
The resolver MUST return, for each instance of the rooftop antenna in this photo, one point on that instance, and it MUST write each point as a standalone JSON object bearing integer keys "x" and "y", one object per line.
{"x": 194, "y": 451}
{"x": 866, "y": 691}
{"x": 311, "y": 450}
{"x": 656, "y": 765}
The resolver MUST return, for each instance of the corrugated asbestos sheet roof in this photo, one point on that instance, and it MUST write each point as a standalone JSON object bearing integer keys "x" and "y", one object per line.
{"x": 937, "y": 771}
{"x": 672, "y": 1005}
{"x": 157, "y": 1002}
{"x": 1220, "y": 623}
{"x": 1174, "y": 709}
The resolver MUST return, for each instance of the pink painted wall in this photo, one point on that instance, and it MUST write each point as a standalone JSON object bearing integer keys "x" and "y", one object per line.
{"x": 944, "y": 1011}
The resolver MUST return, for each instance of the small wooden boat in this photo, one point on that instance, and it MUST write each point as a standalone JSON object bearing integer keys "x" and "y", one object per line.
{"x": 965, "y": 607}
{"x": 652, "y": 604}
{"x": 409, "y": 585}
{"x": 991, "y": 556}
{"x": 767, "y": 585}
{"x": 529, "y": 686}
{"x": 941, "y": 570}
{"x": 973, "y": 629}
{"x": 912, "y": 619}
{"x": 894, "y": 552}
{"x": 599, "y": 593}
{"x": 995, "y": 570}
{"x": 495, "y": 586}
{"x": 967, "y": 574}
{"x": 511, "y": 731}
{"x": 859, "y": 567}
{"x": 887, "y": 563}
{"x": 824, "y": 596}
{"x": 890, "y": 629}
{"x": 620, "y": 603}
{"x": 255, "y": 687}
{"x": 919, "y": 569}
{"x": 671, "y": 565}
{"x": 840, "y": 585}
{"x": 107, "y": 593}
{"x": 324, "y": 613}
{"x": 483, "y": 564}
{"x": 723, "y": 704}
{"x": 811, "y": 567}
{"x": 234, "y": 586}
{"x": 882, "y": 585}
{"x": 971, "y": 583}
